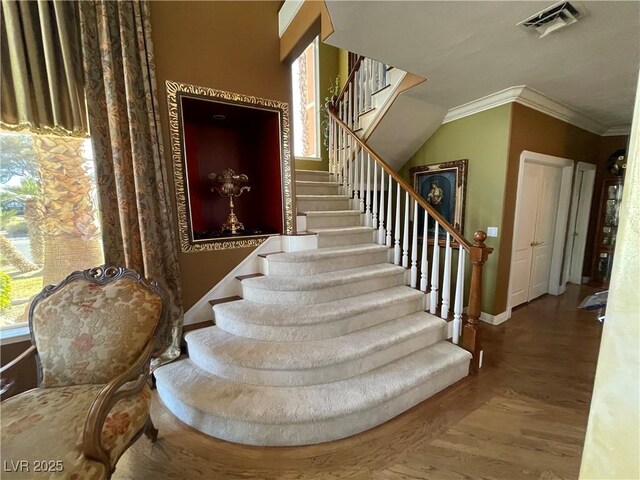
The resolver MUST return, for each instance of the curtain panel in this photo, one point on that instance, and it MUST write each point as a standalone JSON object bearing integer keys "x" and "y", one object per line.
{"x": 41, "y": 75}
{"x": 120, "y": 89}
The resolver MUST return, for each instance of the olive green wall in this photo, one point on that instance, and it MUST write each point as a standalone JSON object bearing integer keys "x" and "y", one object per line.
{"x": 483, "y": 139}
{"x": 343, "y": 66}
{"x": 328, "y": 71}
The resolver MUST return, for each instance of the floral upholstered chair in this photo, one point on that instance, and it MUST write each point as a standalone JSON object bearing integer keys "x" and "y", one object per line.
{"x": 93, "y": 335}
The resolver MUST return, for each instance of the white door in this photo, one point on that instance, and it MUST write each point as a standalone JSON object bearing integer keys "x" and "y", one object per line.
{"x": 545, "y": 229}
{"x": 535, "y": 228}
{"x": 524, "y": 233}
{"x": 579, "y": 219}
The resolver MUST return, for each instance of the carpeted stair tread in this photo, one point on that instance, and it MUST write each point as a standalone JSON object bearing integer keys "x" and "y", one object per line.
{"x": 322, "y": 197}
{"x": 332, "y": 213}
{"x": 313, "y": 322}
{"x": 326, "y": 253}
{"x": 256, "y": 354}
{"x": 322, "y": 280}
{"x": 316, "y": 182}
{"x": 262, "y": 415}
{"x": 341, "y": 230}
{"x": 296, "y": 315}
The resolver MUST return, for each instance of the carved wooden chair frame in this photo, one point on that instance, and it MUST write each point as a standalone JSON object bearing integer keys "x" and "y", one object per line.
{"x": 135, "y": 376}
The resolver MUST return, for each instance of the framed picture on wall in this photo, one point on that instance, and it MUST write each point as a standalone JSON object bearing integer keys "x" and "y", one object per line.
{"x": 443, "y": 186}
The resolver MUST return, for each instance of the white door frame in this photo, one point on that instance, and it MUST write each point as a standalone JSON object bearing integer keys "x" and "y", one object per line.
{"x": 581, "y": 192}
{"x": 557, "y": 286}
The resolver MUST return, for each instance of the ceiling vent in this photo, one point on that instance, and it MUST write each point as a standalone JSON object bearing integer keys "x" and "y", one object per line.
{"x": 552, "y": 19}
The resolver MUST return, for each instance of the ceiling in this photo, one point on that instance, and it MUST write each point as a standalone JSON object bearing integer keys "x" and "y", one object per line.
{"x": 470, "y": 49}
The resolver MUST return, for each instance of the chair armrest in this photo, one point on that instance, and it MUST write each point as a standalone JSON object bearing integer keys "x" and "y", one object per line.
{"x": 107, "y": 398}
{"x": 27, "y": 353}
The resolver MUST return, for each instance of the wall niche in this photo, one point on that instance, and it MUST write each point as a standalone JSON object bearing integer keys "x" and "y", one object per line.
{"x": 211, "y": 131}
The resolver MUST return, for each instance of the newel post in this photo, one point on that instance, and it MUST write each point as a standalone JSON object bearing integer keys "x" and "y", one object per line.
{"x": 478, "y": 254}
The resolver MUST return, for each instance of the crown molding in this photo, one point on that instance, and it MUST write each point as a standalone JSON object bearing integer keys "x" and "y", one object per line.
{"x": 619, "y": 130}
{"x": 530, "y": 98}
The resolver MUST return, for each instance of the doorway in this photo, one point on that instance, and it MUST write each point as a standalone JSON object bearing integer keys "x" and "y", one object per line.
{"x": 579, "y": 221}
{"x": 542, "y": 210}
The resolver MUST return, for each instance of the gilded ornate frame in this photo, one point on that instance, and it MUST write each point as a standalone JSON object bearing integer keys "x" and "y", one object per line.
{"x": 460, "y": 168}
{"x": 175, "y": 92}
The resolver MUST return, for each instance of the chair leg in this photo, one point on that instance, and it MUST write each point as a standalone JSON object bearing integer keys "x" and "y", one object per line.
{"x": 150, "y": 430}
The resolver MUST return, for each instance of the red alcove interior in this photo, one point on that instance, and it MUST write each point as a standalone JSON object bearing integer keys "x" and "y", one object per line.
{"x": 247, "y": 140}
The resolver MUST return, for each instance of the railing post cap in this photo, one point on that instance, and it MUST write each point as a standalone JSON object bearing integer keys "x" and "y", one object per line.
{"x": 479, "y": 238}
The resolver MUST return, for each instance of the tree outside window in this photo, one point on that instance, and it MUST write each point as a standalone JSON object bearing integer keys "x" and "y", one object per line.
{"x": 49, "y": 223}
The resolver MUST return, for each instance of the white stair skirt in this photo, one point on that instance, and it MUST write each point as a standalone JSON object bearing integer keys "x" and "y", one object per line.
{"x": 331, "y": 342}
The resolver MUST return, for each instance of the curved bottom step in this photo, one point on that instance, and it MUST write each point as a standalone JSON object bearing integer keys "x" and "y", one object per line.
{"x": 288, "y": 416}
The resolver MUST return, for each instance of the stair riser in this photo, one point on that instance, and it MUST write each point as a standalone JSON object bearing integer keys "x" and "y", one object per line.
{"x": 329, "y": 189}
{"x": 335, "y": 221}
{"x": 321, "y": 295}
{"x": 308, "y": 433}
{"x": 313, "y": 176}
{"x": 326, "y": 265}
{"x": 326, "y": 204}
{"x": 314, "y": 376}
{"x": 360, "y": 238}
{"x": 336, "y": 328}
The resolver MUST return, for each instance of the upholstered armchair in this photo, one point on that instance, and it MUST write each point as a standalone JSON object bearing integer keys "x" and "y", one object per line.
{"x": 93, "y": 335}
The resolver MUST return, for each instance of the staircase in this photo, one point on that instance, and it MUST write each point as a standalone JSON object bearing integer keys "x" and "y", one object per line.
{"x": 337, "y": 339}
{"x": 329, "y": 343}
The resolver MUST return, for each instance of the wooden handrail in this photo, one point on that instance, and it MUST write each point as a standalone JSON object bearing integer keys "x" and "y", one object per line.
{"x": 27, "y": 353}
{"x": 405, "y": 185}
{"x": 350, "y": 78}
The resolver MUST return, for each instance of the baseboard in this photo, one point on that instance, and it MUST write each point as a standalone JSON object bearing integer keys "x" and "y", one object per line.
{"x": 493, "y": 319}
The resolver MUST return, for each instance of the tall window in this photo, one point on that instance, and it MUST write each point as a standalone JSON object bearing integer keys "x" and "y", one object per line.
{"x": 49, "y": 222}
{"x": 306, "y": 104}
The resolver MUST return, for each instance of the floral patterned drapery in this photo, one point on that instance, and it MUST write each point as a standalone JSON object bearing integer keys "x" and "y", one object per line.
{"x": 120, "y": 88}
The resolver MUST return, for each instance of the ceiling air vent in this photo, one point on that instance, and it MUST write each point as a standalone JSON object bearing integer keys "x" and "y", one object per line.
{"x": 551, "y": 19}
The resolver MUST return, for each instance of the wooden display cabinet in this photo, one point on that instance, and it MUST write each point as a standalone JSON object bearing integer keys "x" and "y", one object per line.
{"x": 606, "y": 232}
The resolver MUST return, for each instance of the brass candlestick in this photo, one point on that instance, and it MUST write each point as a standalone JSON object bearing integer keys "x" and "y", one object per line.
{"x": 230, "y": 186}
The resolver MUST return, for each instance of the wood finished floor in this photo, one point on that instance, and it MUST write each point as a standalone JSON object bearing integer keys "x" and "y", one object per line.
{"x": 523, "y": 417}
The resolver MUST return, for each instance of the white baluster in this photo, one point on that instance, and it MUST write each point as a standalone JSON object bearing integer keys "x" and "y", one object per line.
{"x": 374, "y": 210}
{"x": 352, "y": 104}
{"x": 405, "y": 232}
{"x": 367, "y": 215}
{"x": 356, "y": 98}
{"x": 356, "y": 184}
{"x": 446, "y": 280}
{"x": 332, "y": 159}
{"x": 365, "y": 85}
{"x": 345, "y": 99}
{"x": 351, "y": 163}
{"x": 457, "y": 305}
{"x": 414, "y": 247}
{"x": 397, "y": 251}
{"x": 389, "y": 202}
{"x": 424, "y": 263}
{"x": 362, "y": 180}
{"x": 435, "y": 270}
{"x": 381, "y": 232}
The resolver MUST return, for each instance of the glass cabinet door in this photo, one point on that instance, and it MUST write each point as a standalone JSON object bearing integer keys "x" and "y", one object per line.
{"x": 607, "y": 231}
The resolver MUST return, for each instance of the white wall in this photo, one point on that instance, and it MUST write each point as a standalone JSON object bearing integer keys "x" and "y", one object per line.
{"x": 613, "y": 433}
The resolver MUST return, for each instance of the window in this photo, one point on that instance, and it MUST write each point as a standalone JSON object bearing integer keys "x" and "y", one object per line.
{"x": 49, "y": 223}
{"x": 306, "y": 107}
